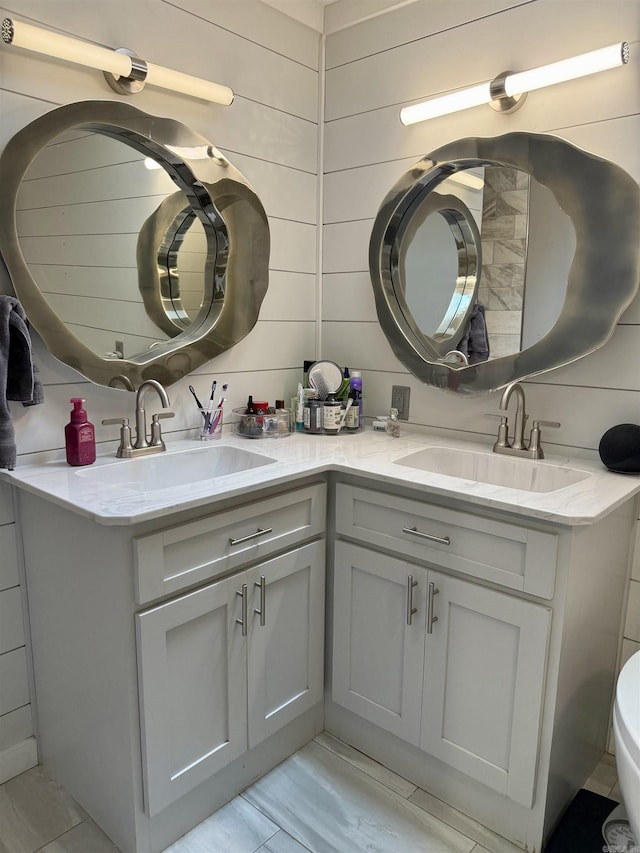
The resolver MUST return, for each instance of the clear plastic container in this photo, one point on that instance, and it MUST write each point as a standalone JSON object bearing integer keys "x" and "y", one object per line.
{"x": 276, "y": 424}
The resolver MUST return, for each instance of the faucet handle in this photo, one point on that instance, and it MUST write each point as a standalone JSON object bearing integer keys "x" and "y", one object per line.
{"x": 535, "y": 449}
{"x": 503, "y": 430}
{"x": 156, "y": 433}
{"x": 125, "y": 434}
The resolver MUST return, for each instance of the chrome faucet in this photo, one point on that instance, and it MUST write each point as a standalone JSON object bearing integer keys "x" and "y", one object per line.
{"x": 521, "y": 415}
{"x": 518, "y": 446}
{"x": 142, "y": 447}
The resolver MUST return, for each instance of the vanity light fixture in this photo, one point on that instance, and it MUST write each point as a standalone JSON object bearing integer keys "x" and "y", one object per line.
{"x": 125, "y": 72}
{"x": 508, "y": 91}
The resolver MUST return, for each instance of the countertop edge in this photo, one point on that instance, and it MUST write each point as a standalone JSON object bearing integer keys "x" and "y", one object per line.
{"x": 369, "y": 456}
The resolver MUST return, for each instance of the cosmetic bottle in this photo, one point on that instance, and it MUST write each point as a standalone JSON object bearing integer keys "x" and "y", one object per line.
{"x": 354, "y": 419}
{"x": 331, "y": 413}
{"x": 299, "y": 408}
{"x": 345, "y": 387}
{"x": 80, "y": 436}
{"x": 393, "y": 425}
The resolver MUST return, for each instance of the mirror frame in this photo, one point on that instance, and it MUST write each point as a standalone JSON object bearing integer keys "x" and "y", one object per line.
{"x": 466, "y": 236}
{"x": 601, "y": 200}
{"x": 159, "y": 241}
{"x": 219, "y": 196}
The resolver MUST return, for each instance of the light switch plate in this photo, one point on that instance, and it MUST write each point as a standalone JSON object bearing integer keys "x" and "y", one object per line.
{"x": 400, "y": 395}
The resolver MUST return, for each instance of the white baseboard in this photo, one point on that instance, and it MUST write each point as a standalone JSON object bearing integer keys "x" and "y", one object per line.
{"x": 18, "y": 758}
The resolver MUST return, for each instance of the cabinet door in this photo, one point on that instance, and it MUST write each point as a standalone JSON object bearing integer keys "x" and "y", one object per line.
{"x": 378, "y": 648}
{"x": 192, "y": 682}
{"x": 484, "y": 684}
{"x": 286, "y": 638}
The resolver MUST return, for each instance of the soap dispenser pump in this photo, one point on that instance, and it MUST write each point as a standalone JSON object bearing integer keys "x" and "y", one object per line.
{"x": 80, "y": 436}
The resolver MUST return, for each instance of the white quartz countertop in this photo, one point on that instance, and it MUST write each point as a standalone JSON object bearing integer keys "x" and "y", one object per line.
{"x": 370, "y": 455}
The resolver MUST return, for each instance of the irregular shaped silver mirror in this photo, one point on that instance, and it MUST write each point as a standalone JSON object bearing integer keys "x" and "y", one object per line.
{"x": 549, "y": 291}
{"x": 99, "y": 248}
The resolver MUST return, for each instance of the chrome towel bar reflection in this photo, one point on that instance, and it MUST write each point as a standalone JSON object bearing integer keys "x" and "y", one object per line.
{"x": 125, "y": 72}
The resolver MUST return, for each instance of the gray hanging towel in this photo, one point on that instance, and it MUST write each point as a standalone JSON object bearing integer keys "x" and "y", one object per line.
{"x": 475, "y": 340}
{"x": 17, "y": 379}
{"x": 478, "y": 336}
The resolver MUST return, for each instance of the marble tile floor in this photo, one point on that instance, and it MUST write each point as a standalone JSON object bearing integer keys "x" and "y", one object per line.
{"x": 327, "y": 798}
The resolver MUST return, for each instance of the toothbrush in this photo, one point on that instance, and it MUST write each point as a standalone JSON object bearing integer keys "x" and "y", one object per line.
{"x": 207, "y": 419}
{"x": 343, "y": 419}
{"x": 218, "y": 412}
{"x": 198, "y": 403}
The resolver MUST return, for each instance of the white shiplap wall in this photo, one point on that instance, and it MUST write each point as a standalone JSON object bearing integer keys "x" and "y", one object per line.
{"x": 428, "y": 48}
{"x": 270, "y": 133}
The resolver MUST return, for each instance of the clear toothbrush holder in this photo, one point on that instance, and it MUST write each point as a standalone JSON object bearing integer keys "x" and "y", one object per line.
{"x": 211, "y": 424}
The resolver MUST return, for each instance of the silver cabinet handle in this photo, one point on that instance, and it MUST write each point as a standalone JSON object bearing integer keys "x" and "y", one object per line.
{"x": 430, "y": 617}
{"x": 410, "y": 608}
{"x": 261, "y": 611}
{"x": 258, "y": 532}
{"x": 243, "y": 620}
{"x": 443, "y": 540}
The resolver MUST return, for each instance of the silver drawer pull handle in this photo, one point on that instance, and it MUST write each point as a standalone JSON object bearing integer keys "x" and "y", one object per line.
{"x": 261, "y": 611}
{"x": 410, "y": 608}
{"x": 243, "y": 620}
{"x": 430, "y": 617}
{"x": 258, "y": 532}
{"x": 443, "y": 540}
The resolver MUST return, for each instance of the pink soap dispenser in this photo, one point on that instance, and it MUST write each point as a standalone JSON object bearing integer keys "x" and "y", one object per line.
{"x": 80, "y": 436}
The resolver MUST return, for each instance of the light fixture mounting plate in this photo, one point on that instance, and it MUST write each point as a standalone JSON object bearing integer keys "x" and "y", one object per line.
{"x": 500, "y": 101}
{"x": 135, "y": 82}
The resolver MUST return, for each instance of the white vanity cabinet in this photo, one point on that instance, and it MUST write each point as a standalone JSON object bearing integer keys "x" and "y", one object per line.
{"x": 178, "y": 659}
{"x": 474, "y": 652}
{"x": 449, "y": 666}
{"x": 227, "y": 665}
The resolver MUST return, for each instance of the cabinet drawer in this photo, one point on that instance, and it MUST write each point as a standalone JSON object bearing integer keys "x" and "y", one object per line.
{"x": 507, "y": 554}
{"x": 181, "y": 556}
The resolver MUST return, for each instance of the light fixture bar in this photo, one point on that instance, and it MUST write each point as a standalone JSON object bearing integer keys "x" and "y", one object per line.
{"x": 124, "y": 68}
{"x": 462, "y": 100}
{"x": 567, "y": 69}
{"x": 165, "y": 78}
{"x": 512, "y": 85}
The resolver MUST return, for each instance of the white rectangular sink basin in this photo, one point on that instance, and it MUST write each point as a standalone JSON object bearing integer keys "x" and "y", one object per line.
{"x": 526, "y": 474}
{"x": 169, "y": 470}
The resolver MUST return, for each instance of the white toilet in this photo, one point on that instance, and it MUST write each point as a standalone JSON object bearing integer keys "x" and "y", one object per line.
{"x": 626, "y": 730}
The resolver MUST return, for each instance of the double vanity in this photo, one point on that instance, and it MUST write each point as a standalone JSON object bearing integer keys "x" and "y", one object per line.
{"x": 200, "y": 614}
